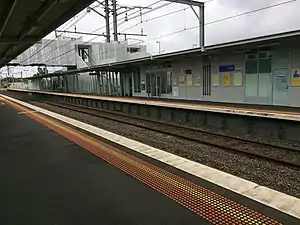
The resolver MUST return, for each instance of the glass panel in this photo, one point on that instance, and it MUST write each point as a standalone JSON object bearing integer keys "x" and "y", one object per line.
{"x": 251, "y": 66}
{"x": 251, "y": 85}
{"x": 169, "y": 82}
{"x": 163, "y": 77}
{"x": 265, "y": 66}
{"x": 137, "y": 81}
{"x": 153, "y": 84}
{"x": 158, "y": 86}
{"x": 148, "y": 83}
{"x": 265, "y": 85}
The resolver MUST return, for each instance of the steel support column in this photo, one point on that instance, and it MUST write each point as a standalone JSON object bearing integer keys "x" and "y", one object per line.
{"x": 201, "y": 28}
{"x": 107, "y": 21}
{"x": 115, "y": 15}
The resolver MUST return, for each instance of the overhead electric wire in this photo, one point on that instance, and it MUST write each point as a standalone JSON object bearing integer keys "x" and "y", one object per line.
{"x": 220, "y": 20}
{"x": 91, "y": 32}
{"x": 208, "y": 23}
{"x": 71, "y": 21}
{"x": 253, "y": 11}
{"x": 160, "y": 16}
{"x": 157, "y": 17}
{"x": 159, "y": 7}
{"x": 151, "y": 10}
{"x": 51, "y": 41}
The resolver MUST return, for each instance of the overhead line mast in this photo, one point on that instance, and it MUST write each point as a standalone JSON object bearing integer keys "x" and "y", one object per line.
{"x": 200, "y": 17}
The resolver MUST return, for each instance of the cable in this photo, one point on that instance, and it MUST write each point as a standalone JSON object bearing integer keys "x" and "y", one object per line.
{"x": 190, "y": 28}
{"x": 51, "y": 41}
{"x": 211, "y": 22}
{"x": 157, "y": 17}
{"x": 82, "y": 35}
{"x": 159, "y": 7}
{"x": 71, "y": 20}
{"x": 219, "y": 20}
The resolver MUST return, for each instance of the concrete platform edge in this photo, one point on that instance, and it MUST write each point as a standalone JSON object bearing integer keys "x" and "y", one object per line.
{"x": 224, "y": 110}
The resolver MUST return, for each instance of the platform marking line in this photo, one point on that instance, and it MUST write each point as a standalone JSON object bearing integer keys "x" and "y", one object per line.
{"x": 29, "y": 112}
{"x": 207, "y": 204}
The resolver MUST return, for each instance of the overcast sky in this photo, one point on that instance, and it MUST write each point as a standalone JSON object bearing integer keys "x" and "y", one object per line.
{"x": 273, "y": 20}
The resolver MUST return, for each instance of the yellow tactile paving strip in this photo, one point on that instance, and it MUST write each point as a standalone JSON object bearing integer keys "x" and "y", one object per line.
{"x": 213, "y": 207}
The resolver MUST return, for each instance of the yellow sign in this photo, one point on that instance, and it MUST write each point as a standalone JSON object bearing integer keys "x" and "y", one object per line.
{"x": 226, "y": 79}
{"x": 238, "y": 78}
{"x": 295, "y": 78}
{"x": 189, "y": 80}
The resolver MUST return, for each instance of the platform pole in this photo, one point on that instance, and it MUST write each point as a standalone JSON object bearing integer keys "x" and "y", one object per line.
{"x": 102, "y": 84}
{"x": 122, "y": 84}
{"x": 115, "y": 15}
{"x": 201, "y": 28}
{"x": 107, "y": 21}
{"x": 7, "y": 75}
{"x": 110, "y": 84}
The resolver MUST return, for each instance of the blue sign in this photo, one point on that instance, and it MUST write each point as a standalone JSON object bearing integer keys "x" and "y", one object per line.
{"x": 226, "y": 68}
{"x": 282, "y": 79}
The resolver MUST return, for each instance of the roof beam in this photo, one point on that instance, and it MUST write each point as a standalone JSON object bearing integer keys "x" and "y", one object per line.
{"x": 32, "y": 23}
{"x": 187, "y": 2}
{"x": 7, "y": 17}
{"x": 14, "y": 40}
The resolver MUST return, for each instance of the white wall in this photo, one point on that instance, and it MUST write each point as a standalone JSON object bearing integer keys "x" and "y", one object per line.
{"x": 193, "y": 92}
{"x": 227, "y": 94}
{"x": 58, "y": 52}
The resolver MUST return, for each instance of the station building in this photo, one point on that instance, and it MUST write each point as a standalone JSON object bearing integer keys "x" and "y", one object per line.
{"x": 263, "y": 70}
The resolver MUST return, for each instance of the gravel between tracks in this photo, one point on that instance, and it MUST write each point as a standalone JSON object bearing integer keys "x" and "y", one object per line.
{"x": 271, "y": 175}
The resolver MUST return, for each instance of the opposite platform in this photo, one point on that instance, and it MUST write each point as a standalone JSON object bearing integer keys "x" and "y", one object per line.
{"x": 243, "y": 111}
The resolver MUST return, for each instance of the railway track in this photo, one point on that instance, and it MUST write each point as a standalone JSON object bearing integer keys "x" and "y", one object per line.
{"x": 277, "y": 154}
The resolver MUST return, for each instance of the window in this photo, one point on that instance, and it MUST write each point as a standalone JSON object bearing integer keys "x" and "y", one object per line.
{"x": 137, "y": 81}
{"x": 133, "y": 50}
{"x": 251, "y": 66}
{"x": 166, "y": 82}
{"x": 163, "y": 80}
{"x": 265, "y": 62}
{"x": 258, "y": 70}
{"x": 169, "y": 82}
{"x": 251, "y": 63}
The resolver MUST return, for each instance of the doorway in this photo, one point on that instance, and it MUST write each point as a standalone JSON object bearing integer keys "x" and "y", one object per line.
{"x": 156, "y": 85}
{"x": 127, "y": 84}
{"x": 153, "y": 81}
{"x": 280, "y": 86}
{"x": 159, "y": 83}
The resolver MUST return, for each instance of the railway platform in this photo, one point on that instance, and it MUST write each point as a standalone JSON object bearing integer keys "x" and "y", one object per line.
{"x": 255, "y": 121}
{"x": 55, "y": 170}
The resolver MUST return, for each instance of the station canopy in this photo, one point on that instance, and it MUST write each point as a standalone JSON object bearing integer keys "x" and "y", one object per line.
{"x": 25, "y": 22}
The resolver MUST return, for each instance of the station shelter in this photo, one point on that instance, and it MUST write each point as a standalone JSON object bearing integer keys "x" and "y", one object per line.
{"x": 263, "y": 70}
